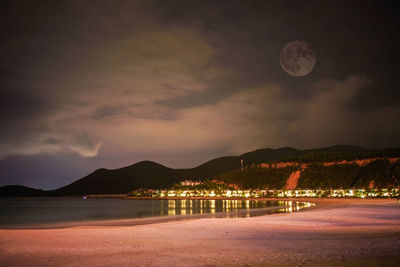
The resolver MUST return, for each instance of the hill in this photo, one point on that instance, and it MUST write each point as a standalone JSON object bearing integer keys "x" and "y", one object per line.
{"x": 147, "y": 174}
{"x": 144, "y": 174}
{"x": 225, "y": 164}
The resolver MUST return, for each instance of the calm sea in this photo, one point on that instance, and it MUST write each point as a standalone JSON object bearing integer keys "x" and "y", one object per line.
{"x": 60, "y": 212}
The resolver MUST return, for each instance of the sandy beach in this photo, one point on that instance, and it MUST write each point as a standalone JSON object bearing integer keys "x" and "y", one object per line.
{"x": 336, "y": 233}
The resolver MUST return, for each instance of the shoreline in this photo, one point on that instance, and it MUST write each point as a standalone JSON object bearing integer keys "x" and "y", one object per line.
{"x": 242, "y": 213}
{"x": 336, "y": 232}
{"x": 316, "y": 203}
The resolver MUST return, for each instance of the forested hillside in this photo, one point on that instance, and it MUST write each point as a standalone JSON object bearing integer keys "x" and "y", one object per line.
{"x": 379, "y": 173}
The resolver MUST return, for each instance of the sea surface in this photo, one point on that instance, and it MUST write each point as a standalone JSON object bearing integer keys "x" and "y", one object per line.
{"x": 62, "y": 212}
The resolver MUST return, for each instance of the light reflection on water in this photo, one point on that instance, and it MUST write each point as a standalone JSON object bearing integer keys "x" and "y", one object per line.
{"x": 231, "y": 208}
{"x": 20, "y": 212}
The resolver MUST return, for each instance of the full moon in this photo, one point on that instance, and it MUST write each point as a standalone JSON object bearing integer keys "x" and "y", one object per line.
{"x": 298, "y": 58}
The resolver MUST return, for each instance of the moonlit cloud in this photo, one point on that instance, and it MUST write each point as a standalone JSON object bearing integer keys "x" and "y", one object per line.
{"x": 122, "y": 80}
{"x": 247, "y": 119}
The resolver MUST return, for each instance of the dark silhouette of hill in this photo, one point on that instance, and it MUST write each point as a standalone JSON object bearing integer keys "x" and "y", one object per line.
{"x": 147, "y": 174}
{"x": 144, "y": 174}
{"x": 225, "y": 164}
{"x": 339, "y": 149}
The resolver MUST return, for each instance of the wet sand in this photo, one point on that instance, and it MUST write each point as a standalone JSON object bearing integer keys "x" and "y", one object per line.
{"x": 344, "y": 232}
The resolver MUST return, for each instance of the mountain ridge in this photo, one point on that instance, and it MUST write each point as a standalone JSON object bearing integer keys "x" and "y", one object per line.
{"x": 149, "y": 174}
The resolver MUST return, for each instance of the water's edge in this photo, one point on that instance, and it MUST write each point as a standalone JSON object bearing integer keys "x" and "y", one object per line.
{"x": 283, "y": 207}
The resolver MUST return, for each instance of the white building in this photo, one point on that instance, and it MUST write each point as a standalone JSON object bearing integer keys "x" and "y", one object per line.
{"x": 190, "y": 183}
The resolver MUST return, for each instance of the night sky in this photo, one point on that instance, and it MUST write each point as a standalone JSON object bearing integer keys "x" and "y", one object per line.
{"x": 91, "y": 84}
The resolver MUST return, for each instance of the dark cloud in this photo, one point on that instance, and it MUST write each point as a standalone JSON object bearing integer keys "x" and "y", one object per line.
{"x": 103, "y": 84}
{"x": 106, "y": 111}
